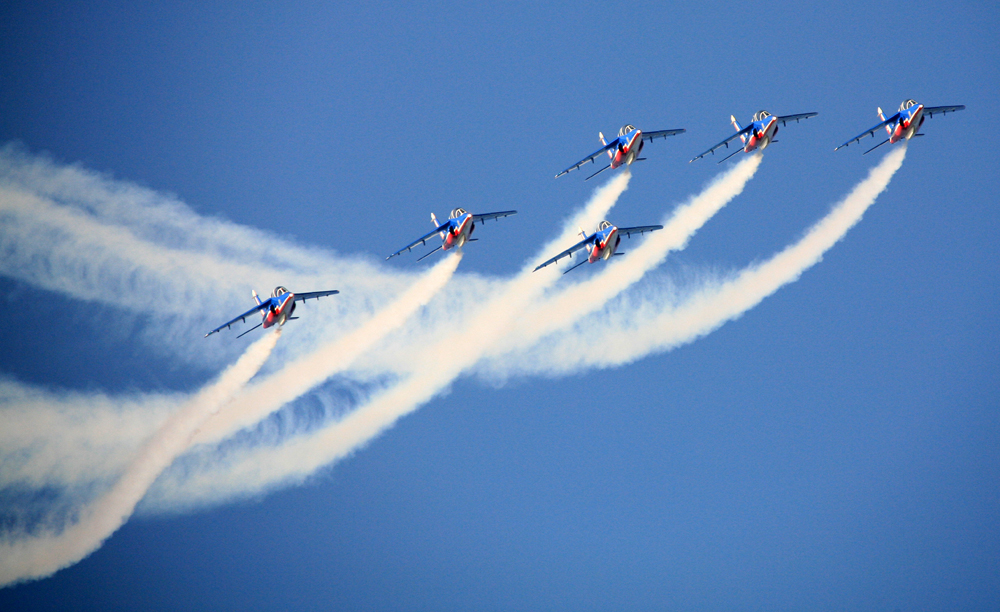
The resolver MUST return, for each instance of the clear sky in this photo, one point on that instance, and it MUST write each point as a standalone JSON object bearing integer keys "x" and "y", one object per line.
{"x": 836, "y": 447}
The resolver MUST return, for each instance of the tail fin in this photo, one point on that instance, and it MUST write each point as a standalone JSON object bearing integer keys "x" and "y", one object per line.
{"x": 587, "y": 246}
{"x": 888, "y": 130}
{"x": 739, "y": 128}
{"x": 255, "y": 298}
{"x": 611, "y": 155}
{"x": 436, "y": 224}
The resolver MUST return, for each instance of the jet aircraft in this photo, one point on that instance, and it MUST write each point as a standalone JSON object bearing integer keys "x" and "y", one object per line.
{"x": 905, "y": 124}
{"x": 276, "y": 310}
{"x": 601, "y": 244}
{"x": 760, "y": 133}
{"x": 454, "y": 232}
{"x": 622, "y": 150}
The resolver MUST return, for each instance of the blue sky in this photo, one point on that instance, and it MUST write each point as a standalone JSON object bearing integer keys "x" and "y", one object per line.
{"x": 835, "y": 447}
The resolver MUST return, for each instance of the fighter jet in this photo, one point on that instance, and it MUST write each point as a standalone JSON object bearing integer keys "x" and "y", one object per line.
{"x": 622, "y": 150}
{"x": 760, "y": 133}
{"x": 600, "y": 245}
{"x": 905, "y": 124}
{"x": 276, "y": 310}
{"x": 454, "y": 232}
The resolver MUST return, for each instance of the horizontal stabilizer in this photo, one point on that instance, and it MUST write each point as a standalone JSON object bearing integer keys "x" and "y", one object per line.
{"x": 740, "y": 150}
{"x": 250, "y": 330}
{"x": 598, "y": 172}
{"x": 576, "y": 266}
{"x": 429, "y": 253}
{"x": 875, "y": 147}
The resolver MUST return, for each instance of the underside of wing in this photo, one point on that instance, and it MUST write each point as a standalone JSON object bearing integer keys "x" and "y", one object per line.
{"x": 590, "y": 157}
{"x": 869, "y": 132}
{"x": 784, "y": 119}
{"x": 642, "y": 229}
{"x": 661, "y": 134}
{"x": 242, "y": 317}
{"x": 725, "y": 143}
{"x": 493, "y": 215}
{"x": 930, "y": 111}
{"x": 568, "y": 252}
{"x": 422, "y": 240}
{"x": 301, "y": 297}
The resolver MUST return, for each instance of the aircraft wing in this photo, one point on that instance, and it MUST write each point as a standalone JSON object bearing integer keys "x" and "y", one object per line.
{"x": 493, "y": 215}
{"x": 642, "y": 229}
{"x": 242, "y": 317}
{"x": 661, "y": 134}
{"x": 590, "y": 157}
{"x": 725, "y": 142}
{"x": 421, "y": 240}
{"x": 784, "y": 119}
{"x": 930, "y": 111}
{"x": 301, "y": 297}
{"x": 568, "y": 252}
{"x": 870, "y": 132}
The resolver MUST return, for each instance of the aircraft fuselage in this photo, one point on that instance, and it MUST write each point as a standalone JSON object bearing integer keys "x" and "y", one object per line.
{"x": 605, "y": 245}
{"x": 459, "y": 233}
{"x": 280, "y": 309}
{"x": 761, "y": 134}
{"x": 629, "y": 146}
{"x": 909, "y": 122}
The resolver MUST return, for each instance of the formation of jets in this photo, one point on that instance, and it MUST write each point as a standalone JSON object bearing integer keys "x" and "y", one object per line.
{"x": 624, "y": 150}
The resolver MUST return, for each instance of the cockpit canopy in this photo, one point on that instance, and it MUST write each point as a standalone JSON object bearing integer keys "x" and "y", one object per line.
{"x": 458, "y": 212}
{"x": 761, "y": 115}
{"x": 279, "y": 290}
{"x": 603, "y": 226}
{"x": 626, "y": 129}
{"x": 907, "y": 104}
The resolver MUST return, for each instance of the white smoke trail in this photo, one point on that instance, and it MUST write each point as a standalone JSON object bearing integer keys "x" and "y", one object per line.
{"x": 634, "y": 330}
{"x": 628, "y": 336}
{"x": 63, "y": 439}
{"x": 424, "y": 358}
{"x": 39, "y": 555}
{"x": 86, "y": 236}
{"x": 251, "y": 471}
{"x": 296, "y": 378}
{"x": 576, "y": 301}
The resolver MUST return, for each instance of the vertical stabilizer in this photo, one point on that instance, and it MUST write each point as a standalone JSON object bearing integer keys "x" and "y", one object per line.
{"x": 255, "y": 298}
{"x": 611, "y": 155}
{"x": 437, "y": 225}
{"x": 739, "y": 128}
{"x": 888, "y": 129}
